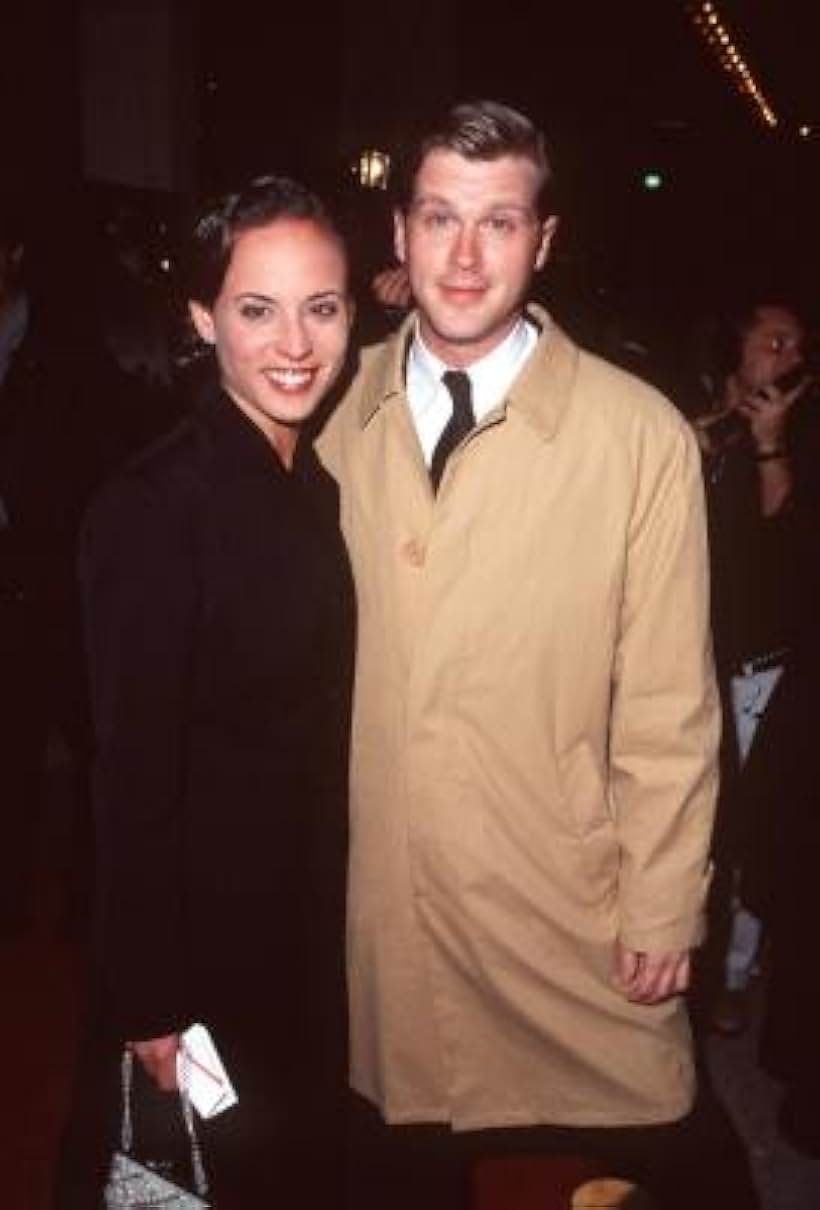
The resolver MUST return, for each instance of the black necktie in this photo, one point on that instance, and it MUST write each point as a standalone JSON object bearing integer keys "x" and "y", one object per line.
{"x": 459, "y": 424}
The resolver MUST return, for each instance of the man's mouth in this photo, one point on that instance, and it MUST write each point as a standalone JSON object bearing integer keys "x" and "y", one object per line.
{"x": 460, "y": 291}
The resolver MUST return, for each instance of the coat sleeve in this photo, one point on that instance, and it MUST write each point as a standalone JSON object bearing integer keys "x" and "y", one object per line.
{"x": 139, "y": 601}
{"x": 665, "y": 720}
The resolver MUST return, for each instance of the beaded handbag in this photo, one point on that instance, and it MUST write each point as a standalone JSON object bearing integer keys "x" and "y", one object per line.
{"x": 135, "y": 1186}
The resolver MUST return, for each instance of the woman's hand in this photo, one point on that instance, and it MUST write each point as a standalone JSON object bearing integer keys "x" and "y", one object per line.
{"x": 767, "y": 412}
{"x": 159, "y": 1058}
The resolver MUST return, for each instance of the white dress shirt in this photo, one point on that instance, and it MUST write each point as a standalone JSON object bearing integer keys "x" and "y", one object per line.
{"x": 490, "y": 377}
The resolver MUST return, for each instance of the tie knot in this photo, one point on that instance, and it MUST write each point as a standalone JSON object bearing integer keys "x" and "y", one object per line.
{"x": 460, "y": 388}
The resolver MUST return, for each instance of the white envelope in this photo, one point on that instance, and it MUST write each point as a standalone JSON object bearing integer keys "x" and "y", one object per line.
{"x": 201, "y": 1070}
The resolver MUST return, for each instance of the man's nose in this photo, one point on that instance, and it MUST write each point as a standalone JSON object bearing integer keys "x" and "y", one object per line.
{"x": 467, "y": 249}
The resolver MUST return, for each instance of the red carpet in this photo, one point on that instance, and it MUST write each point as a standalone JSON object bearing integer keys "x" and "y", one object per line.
{"x": 39, "y": 1011}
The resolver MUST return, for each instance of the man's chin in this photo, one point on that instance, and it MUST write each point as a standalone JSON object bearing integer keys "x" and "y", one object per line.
{"x": 469, "y": 330}
{"x": 460, "y": 329}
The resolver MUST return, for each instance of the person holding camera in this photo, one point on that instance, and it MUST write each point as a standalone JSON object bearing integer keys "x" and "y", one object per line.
{"x": 757, "y": 375}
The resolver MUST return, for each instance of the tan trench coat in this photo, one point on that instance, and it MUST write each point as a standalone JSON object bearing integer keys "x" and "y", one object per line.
{"x": 534, "y": 748}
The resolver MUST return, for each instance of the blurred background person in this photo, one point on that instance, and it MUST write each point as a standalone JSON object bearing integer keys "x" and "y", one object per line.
{"x": 15, "y": 764}
{"x": 755, "y": 376}
{"x": 790, "y": 1042}
{"x": 390, "y": 289}
{"x": 72, "y": 407}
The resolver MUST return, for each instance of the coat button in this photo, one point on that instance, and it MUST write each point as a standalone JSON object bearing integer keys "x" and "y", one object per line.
{"x": 413, "y": 552}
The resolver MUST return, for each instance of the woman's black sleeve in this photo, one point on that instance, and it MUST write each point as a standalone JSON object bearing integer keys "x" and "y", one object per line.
{"x": 140, "y": 604}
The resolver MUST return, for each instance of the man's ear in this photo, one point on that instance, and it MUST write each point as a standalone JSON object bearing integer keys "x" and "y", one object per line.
{"x": 399, "y": 235}
{"x": 548, "y": 229}
{"x": 203, "y": 321}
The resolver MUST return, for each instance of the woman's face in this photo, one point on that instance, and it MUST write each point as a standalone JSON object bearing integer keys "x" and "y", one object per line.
{"x": 772, "y": 346}
{"x": 280, "y": 324}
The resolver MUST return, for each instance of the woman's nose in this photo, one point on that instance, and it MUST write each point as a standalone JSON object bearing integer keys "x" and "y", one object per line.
{"x": 293, "y": 338}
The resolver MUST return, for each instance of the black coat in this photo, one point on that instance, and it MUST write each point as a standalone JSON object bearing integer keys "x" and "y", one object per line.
{"x": 219, "y": 619}
{"x": 790, "y": 1042}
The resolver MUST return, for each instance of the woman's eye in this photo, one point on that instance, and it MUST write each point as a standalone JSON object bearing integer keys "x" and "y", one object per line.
{"x": 327, "y": 309}
{"x": 254, "y": 311}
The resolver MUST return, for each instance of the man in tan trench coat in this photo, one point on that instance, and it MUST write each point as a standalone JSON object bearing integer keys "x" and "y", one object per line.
{"x": 536, "y": 724}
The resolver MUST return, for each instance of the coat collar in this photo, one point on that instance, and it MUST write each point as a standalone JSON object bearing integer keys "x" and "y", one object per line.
{"x": 241, "y": 442}
{"x": 540, "y": 393}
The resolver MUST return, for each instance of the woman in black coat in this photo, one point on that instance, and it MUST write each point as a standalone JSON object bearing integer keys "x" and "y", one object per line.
{"x": 219, "y": 624}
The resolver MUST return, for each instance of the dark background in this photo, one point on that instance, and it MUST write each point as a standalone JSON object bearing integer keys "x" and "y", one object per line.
{"x": 220, "y": 90}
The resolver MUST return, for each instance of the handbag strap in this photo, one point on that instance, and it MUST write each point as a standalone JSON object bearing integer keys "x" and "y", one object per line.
{"x": 127, "y": 1127}
{"x": 197, "y": 1163}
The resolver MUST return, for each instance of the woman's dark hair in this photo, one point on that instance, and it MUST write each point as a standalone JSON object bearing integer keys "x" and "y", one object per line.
{"x": 221, "y": 222}
{"x": 481, "y": 130}
{"x": 724, "y": 333}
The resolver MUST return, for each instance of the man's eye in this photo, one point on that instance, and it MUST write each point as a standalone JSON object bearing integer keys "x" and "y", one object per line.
{"x": 500, "y": 224}
{"x": 437, "y": 218}
{"x": 254, "y": 311}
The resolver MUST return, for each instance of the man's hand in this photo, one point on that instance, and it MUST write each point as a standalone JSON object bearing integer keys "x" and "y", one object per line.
{"x": 391, "y": 287}
{"x": 650, "y": 978}
{"x": 159, "y": 1058}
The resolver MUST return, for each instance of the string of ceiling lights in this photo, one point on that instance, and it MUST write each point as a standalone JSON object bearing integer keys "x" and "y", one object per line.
{"x": 713, "y": 28}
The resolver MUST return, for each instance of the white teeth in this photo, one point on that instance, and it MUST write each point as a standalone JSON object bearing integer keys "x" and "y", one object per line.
{"x": 290, "y": 378}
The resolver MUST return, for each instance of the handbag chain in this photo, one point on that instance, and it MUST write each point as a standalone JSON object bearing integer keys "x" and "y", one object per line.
{"x": 127, "y": 1129}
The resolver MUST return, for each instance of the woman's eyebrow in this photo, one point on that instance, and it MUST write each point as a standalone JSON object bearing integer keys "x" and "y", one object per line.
{"x": 257, "y": 296}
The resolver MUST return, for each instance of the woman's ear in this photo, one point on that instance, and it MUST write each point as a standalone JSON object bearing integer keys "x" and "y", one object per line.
{"x": 203, "y": 321}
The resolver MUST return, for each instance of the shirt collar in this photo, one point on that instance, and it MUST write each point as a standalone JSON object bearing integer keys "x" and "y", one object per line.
{"x": 490, "y": 376}
{"x": 540, "y": 391}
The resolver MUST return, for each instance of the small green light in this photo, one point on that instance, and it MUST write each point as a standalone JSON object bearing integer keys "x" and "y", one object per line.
{"x": 652, "y": 180}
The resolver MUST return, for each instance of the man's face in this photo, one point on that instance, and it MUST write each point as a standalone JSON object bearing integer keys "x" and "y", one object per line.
{"x": 471, "y": 241}
{"x": 771, "y": 346}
